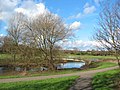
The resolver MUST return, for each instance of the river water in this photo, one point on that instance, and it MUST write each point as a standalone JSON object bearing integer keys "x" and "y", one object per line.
{"x": 67, "y": 65}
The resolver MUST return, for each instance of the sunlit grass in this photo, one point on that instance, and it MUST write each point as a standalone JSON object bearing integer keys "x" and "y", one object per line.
{"x": 89, "y": 56}
{"x": 48, "y": 84}
{"x": 106, "y": 80}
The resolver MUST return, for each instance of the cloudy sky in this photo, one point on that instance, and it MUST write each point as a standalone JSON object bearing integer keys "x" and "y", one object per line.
{"x": 80, "y": 15}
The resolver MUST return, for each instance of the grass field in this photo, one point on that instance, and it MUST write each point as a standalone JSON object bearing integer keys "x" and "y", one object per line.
{"x": 48, "y": 84}
{"x": 5, "y": 56}
{"x": 89, "y": 56}
{"x": 106, "y": 80}
{"x": 100, "y": 65}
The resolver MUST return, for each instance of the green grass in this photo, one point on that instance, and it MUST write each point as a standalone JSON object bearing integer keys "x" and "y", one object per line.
{"x": 47, "y": 84}
{"x": 46, "y": 73}
{"x": 96, "y": 57}
{"x": 106, "y": 80}
{"x": 89, "y": 56}
{"x": 5, "y": 56}
{"x": 12, "y": 76}
{"x": 100, "y": 65}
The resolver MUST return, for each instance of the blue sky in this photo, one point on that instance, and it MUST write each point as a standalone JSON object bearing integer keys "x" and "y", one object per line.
{"x": 80, "y": 15}
{"x": 69, "y": 9}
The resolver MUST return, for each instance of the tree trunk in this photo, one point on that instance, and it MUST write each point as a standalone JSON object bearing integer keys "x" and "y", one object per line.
{"x": 51, "y": 60}
{"x": 24, "y": 71}
{"x": 117, "y": 57}
{"x": 118, "y": 62}
{"x": 51, "y": 64}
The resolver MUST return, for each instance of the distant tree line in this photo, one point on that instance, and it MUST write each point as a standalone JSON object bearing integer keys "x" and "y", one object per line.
{"x": 90, "y": 52}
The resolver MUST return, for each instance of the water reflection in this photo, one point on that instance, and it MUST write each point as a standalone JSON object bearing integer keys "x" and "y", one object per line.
{"x": 1, "y": 70}
{"x": 70, "y": 65}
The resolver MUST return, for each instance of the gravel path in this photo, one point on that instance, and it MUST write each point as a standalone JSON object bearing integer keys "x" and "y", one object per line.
{"x": 83, "y": 75}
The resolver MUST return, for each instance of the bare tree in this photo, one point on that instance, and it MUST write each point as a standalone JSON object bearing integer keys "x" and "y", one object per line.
{"x": 15, "y": 31}
{"x": 108, "y": 33}
{"x": 48, "y": 30}
{"x": 19, "y": 46}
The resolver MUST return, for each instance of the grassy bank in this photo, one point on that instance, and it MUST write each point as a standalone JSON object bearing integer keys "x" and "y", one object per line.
{"x": 106, "y": 80}
{"x": 102, "y": 65}
{"x": 48, "y": 84}
{"x": 99, "y": 65}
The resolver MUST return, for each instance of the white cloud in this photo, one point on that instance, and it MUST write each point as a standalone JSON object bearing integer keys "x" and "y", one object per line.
{"x": 7, "y": 7}
{"x": 86, "y": 5}
{"x": 31, "y": 11}
{"x": 41, "y": 8}
{"x": 77, "y": 16}
{"x": 1, "y": 35}
{"x": 5, "y": 27}
{"x": 28, "y": 7}
{"x": 75, "y": 25}
{"x": 88, "y": 9}
{"x": 20, "y": 10}
{"x": 81, "y": 45}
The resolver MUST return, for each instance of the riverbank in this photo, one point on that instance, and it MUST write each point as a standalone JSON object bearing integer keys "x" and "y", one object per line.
{"x": 95, "y": 66}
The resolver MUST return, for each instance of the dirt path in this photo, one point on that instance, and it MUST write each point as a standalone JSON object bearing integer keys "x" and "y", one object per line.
{"x": 84, "y": 83}
{"x": 83, "y": 75}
